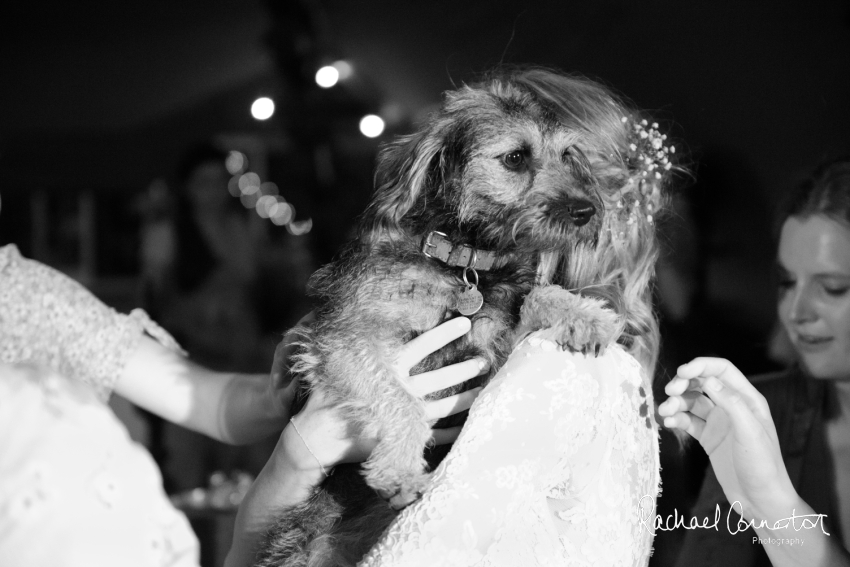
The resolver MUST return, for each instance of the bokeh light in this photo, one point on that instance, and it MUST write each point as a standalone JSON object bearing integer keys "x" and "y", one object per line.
{"x": 269, "y": 188}
{"x": 235, "y": 162}
{"x": 283, "y": 213}
{"x": 249, "y": 183}
{"x": 263, "y": 108}
{"x": 264, "y": 205}
{"x": 249, "y": 201}
{"x": 327, "y": 76}
{"x": 371, "y": 125}
{"x": 233, "y": 186}
{"x": 344, "y": 69}
{"x": 298, "y": 228}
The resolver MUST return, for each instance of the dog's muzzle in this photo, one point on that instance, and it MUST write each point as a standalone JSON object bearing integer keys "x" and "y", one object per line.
{"x": 576, "y": 211}
{"x": 581, "y": 212}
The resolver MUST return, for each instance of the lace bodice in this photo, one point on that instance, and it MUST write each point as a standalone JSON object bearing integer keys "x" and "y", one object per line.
{"x": 74, "y": 488}
{"x": 551, "y": 468}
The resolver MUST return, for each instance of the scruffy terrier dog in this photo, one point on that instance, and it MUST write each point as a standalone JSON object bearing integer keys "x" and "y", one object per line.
{"x": 477, "y": 213}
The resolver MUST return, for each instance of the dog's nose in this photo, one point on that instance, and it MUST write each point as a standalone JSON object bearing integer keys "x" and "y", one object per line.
{"x": 580, "y": 211}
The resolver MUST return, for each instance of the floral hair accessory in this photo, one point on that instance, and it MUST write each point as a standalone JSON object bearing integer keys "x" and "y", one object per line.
{"x": 648, "y": 159}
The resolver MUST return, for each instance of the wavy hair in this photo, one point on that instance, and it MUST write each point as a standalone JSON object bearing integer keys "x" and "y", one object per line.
{"x": 826, "y": 192}
{"x": 620, "y": 265}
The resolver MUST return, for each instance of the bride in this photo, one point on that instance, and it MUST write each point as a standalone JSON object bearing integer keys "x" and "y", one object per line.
{"x": 560, "y": 450}
{"x": 558, "y": 461}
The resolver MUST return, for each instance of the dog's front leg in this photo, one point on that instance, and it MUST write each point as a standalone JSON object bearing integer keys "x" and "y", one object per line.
{"x": 396, "y": 468}
{"x": 372, "y": 396}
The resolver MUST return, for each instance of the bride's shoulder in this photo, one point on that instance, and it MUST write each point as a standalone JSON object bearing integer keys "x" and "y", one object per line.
{"x": 538, "y": 352}
{"x": 539, "y": 342}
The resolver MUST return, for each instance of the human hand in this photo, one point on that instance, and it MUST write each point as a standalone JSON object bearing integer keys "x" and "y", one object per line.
{"x": 321, "y": 438}
{"x": 714, "y": 402}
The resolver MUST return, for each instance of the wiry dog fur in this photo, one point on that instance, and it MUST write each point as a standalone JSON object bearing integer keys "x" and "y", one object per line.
{"x": 497, "y": 168}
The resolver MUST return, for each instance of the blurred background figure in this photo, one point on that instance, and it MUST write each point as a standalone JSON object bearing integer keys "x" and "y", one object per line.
{"x": 216, "y": 280}
{"x": 203, "y": 286}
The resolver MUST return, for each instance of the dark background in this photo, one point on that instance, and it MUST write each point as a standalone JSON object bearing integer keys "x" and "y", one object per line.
{"x": 107, "y": 95}
{"x": 101, "y": 97}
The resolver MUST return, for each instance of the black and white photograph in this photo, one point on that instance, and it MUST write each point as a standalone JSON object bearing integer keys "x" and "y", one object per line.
{"x": 373, "y": 283}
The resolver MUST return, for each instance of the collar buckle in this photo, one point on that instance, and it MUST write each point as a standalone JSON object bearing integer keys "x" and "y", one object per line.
{"x": 437, "y": 245}
{"x": 427, "y": 244}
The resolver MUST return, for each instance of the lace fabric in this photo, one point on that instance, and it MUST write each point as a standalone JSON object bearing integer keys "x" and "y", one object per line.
{"x": 559, "y": 454}
{"x": 46, "y": 318}
{"x": 69, "y": 473}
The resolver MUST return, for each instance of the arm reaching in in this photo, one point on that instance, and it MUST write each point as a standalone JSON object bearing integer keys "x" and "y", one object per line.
{"x": 230, "y": 407}
{"x": 49, "y": 319}
{"x": 713, "y": 402}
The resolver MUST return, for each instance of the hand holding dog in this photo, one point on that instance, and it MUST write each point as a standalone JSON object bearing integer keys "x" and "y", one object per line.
{"x": 332, "y": 441}
{"x": 324, "y": 439}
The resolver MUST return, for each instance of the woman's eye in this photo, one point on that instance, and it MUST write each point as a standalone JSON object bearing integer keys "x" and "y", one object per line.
{"x": 836, "y": 291}
{"x": 514, "y": 160}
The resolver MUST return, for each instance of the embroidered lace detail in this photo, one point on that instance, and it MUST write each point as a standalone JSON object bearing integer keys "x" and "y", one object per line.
{"x": 70, "y": 470}
{"x": 47, "y": 318}
{"x": 550, "y": 469}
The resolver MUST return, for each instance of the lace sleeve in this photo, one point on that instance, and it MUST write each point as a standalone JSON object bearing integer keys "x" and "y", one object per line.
{"x": 537, "y": 477}
{"x": 49, "y": 319}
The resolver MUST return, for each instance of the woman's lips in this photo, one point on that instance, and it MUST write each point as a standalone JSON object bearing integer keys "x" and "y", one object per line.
{"x": 813, "y": 343}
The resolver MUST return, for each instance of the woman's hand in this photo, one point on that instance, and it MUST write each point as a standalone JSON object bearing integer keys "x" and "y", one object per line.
{"x": 713, "y": 402}
{"x": 321, "y": 438}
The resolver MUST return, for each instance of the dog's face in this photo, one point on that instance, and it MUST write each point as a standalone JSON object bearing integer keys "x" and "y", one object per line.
{"x": 499, "y": 166}
{"x": 524, "y": 179}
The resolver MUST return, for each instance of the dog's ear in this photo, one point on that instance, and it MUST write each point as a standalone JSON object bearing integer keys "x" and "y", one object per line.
{"x": 409, "y": 168}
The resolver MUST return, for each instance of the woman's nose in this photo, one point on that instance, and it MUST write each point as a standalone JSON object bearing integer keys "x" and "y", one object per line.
{"x": 802, "y": 307}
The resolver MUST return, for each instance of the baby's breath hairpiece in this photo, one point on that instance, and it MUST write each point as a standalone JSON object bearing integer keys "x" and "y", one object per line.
{"x": 648, "y": 158}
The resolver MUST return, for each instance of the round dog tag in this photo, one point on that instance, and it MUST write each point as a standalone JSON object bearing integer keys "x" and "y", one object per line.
{"x": 470, "y": 301}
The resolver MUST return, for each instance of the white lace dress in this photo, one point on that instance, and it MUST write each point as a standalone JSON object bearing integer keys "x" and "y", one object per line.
{"x": 557, "y": 459}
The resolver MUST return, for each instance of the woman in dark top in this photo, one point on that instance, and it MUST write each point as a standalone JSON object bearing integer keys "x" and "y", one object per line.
{"x": 785, "y": 447}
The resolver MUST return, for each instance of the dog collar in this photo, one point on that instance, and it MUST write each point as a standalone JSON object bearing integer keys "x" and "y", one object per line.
{"x": 437, "y": 245}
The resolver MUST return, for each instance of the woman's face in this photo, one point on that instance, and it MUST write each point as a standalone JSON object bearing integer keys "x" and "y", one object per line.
{"x": 814, "y": 293}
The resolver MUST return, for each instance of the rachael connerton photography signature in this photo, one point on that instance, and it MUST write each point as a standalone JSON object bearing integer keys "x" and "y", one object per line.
{"x": 652, "y": 521}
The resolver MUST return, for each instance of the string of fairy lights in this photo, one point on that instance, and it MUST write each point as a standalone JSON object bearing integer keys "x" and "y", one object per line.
{"x": 264, "y": 196}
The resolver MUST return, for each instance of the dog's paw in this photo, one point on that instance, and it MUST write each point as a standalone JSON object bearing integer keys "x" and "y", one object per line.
{"x": 403, "y": 499}
{"x": 405, "y": 495}
{"x": 574, "y": 322}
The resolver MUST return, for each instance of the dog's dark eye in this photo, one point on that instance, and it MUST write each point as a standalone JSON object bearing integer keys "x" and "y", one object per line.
{"x": 514, "y": 160}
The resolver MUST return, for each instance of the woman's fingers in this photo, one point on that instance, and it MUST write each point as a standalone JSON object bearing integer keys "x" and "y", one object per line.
{"x": 678, "y": 386}
{"x": 690, "y": 424}
{"x": 451, "y": 405}
{"x": 447, "y": 376}
{"x": 430, "y": 341}
{"x": 731, "y": 377}
{"x": 693, "y": 402}
{"x": 444, "y": 436}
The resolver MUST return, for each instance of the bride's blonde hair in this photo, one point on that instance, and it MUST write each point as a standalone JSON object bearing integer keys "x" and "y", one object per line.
{"x": 631, "y": 164}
